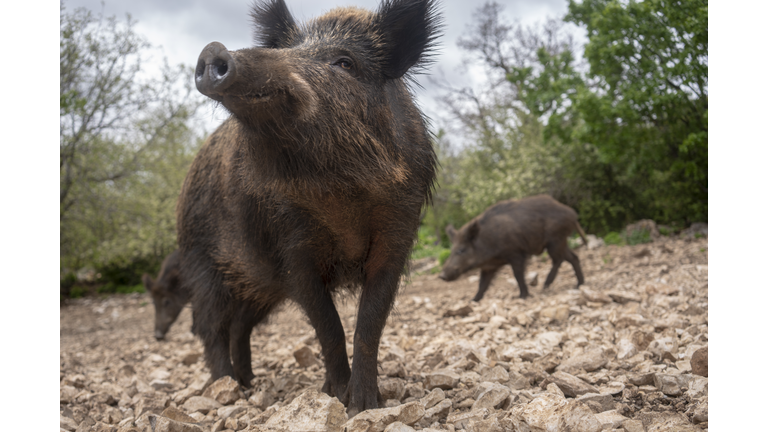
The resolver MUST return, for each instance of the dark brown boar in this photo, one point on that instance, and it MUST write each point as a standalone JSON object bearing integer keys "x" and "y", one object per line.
{"x": 168, "y": 294}
{"x": 508, "y": 233}
{"x": 315, "y": 183}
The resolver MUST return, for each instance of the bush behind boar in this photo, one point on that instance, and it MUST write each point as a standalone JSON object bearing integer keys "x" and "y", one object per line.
{"x": 508, "y": 233}
{"x": 315, "y": 183}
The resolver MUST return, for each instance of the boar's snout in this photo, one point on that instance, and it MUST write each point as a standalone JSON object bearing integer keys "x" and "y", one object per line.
{"x": 215, "y": 70}
{"x": 447, "y": 275}
{"x": 159, "y": 334}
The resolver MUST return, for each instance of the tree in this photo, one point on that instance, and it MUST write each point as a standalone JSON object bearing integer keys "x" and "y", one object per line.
{"x": 649, "y": 114}
{"x": 125, "y": 142}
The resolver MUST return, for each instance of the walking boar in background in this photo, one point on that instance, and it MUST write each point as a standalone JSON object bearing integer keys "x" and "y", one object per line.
{"x": 508, "y": 233}
{"x": 314, "y": 184}
{"x": 168, "y": 295}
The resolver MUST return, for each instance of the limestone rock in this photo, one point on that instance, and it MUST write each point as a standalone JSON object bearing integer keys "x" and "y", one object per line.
{"x": 151, "y": 403}
{"x": 599, "y": 402}
{"x": 392, "y": 388}
{"x": 178, "y": 415}
{"x": 665, "y": 348}
{"x": 443, "y": 379}
{"x": 557, "y": 313}
{"x": 590, "y": 360}
{"x": 393, "y": 368}
{"x": 593, "y": 295}
{"x": 201, "y": 404}
{"x": 570, "y": 385}
{"x": 224, "y": 390}
{"x": 163, "y": 424}
{"x": 433, "y": 398}
{"x": 67, "y": 423}
{"x": 376, "y": 420}
{"x": 461, "y": 420}
{"x": 399, "y": 427}
{"x": 490, "y": 395}
{"x": 495, "y": 374}
{"x": 610, "y": 419}
{"x": 311, "y": 411}
{"x": 665, "y": 422}
{"x": 549, "y": 412}
{"x": 700, "y": 363}
{"x": 305, "y": 357}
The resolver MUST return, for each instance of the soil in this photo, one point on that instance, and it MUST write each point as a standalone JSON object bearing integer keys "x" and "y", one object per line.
{"x": 641, "y": 316}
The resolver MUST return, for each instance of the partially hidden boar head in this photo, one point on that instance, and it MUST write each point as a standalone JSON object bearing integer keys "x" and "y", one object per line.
{"x": 169, "y": 299}
{"x": 464, "y": 254}
{"x": 331, "y": 87}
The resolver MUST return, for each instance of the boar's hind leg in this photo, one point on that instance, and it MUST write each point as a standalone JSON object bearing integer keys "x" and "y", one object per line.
{"x": 215, "y": 339}
{"x": 558, "y": 252}
{"x": 318, "y": 304}
{"x": 486, "y": 275}
{"x": 518, "y": 269}
{"x": 243, "y": 322}
{"x": 574, "y": 260}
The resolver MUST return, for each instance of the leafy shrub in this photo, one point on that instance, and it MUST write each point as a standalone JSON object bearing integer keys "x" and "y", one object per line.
{"x": 639, "y": 236}
{"x": 443, "y": 257}
{"x": 613, "y": 238}
{"x": 76, "y": 292}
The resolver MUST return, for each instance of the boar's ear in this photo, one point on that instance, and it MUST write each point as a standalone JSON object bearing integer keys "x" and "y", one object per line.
{"x": 408, "y": 29}
{"x": 450, "y": 231}
{"x": 272, "y": 23}
{"x": 472, "y": 229}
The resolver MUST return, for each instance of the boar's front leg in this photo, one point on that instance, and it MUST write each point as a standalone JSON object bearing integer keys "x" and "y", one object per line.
{"x": 318, "y": 304}
{"x": 486, "y": 276}
{"x": 378, "y": 294}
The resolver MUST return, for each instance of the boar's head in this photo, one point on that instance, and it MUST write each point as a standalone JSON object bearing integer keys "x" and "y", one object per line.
{"x": 465, "y": 255}
{"x": 169, "y": 299}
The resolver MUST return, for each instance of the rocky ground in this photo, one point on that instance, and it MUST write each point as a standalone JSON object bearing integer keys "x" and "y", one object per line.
{"x": 626, "y": 352}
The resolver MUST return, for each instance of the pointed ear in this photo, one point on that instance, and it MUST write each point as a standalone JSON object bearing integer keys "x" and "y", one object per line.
{"x": 272, "y": 23}
{"x": 472, "y": 229}
{"x": 408, "y": 29}
{"x": 450, "y": 231}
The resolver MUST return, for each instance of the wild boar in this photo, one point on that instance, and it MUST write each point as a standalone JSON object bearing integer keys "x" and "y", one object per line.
{"x": 508, "y": 233}
{"x": 168, "y": 295}
{"x": 313, "y": 186}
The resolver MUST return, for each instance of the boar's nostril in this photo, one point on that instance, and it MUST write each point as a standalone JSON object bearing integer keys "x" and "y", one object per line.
{"x": 215, "y": 70}
{"x": 221, "y": 70}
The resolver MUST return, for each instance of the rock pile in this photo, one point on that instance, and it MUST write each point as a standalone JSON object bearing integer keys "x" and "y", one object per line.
{"x": 626, "y": 352}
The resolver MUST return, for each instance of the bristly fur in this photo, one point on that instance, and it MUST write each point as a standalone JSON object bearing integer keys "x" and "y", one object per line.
{"x": 313, "y": 186}
{"x": 272, "y": 22}
{"x": 400, "y": 17}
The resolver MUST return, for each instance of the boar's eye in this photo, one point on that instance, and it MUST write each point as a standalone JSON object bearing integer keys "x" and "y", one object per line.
{"x": 343, "y": 63}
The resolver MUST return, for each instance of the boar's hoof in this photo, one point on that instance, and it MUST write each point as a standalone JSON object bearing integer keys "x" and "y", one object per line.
{"x": 159, "y": 335}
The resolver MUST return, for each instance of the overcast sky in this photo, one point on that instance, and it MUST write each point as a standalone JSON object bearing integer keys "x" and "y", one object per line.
{"x": 184, "y": 27}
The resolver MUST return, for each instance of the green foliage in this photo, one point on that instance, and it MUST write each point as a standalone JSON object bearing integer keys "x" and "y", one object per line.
{"x": 443, "y": 257}
{"x": 665, "y": 231}
{"x": 648, "y": 114}
{"x": 623, "y": 140}
{"x": 112, "y": 288}
{"x": 638, "y": 236}
{"x": 125, "y": 145}
{"x": 77, "y": 292}
{"x": 426, "y": 245}
{"x": 614, "y": 238}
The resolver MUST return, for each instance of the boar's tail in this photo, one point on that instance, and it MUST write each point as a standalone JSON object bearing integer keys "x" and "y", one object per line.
{"x": 581, "y": 233}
